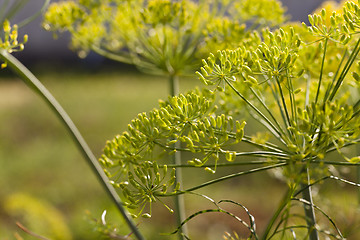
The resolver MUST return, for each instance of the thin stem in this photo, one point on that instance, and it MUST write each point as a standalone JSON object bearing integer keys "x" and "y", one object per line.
{"x": 307, "y": 94}
{"x": 321, "y": 71}
{"x": 292, "y": 96}
{"x": 267, "y": 109}
{"x": 276, "y": 97}
{"x": 287, "y": 122}
{"x": 335, "y": 76}
{"x": 40, "y": 89}
{"x": 285, "y": 201}
{"x": 110, "y": 55}
{"x": 323, "y": 179}
{"x": 260, "y": 162}
{"x": 176, "y": 159}
{"x": 227, "y": 177}
{"x": 270, "y": 126}
{"x": 335, "y": 163}
{"x": 305, "y": 202}
{"x": 35, "y": 235}
{"x": 266, "y": 154}
{"x": 266, "y": 145}
{"x": 345, "y": 70}
{"x": 33, "y": 17}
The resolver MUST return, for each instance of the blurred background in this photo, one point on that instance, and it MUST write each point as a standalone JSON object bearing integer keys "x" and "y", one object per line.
{"x": 42, "y": 47}
{"x": 44, "y": 181}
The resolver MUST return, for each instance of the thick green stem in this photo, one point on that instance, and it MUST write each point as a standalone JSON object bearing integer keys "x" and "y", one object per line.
{"x": 40, "y": 89}
{"x": 285, "y": 201}
{"x": 176, "y": 159}
{"x": 309, "y": 208}
{"x": 174, "y": 85}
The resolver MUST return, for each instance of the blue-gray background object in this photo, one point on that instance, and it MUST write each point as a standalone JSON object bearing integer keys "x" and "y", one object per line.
{"x": 43, "y": 48}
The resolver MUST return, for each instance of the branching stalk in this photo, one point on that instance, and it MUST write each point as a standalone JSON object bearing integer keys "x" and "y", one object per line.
{"x": 269, "y": 125}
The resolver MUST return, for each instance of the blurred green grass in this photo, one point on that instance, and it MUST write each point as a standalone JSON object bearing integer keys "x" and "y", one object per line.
{"x": 39, "y": 159}
{"x": 37, "y": 155}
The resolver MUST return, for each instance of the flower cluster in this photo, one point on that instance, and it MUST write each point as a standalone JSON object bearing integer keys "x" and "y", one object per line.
{"x": 300, "y": 85}
{"x": 133, "y": 156}
{"x": 160, "y": 36}
{"x": 308, "y": 127}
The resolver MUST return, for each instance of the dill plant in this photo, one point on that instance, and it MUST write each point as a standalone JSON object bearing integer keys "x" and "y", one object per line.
{"x": 160, "y": 37}
{"x": 300, "y": 83}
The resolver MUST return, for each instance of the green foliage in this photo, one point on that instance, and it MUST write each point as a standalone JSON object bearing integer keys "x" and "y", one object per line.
{"x": 160, "y": 36}
{"x": 295, "y": 82}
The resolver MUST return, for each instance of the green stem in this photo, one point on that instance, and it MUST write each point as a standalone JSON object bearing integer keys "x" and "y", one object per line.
{"x": 267, "y": 110}
{"x": 309, "y": 208}
{"x": 345, "y": 70}
{"x": 307, "y": 94}
{"x": 274, "y": 91}
{"x": 227, "y": 177}
{"x": 174, "y": 85}
{"x": 176, "y": 159}
{"x": 285, "y": 201}
{"x": 265, "y": 154}
{"x": 33, "y": 17}
{"x": 330, "y": 87}
{"x": 321, "y": 72}
{"x": 266, "y": 145}
{"x": 291, "y": 96}
{"x": 269, "y": 125}
{"x": 334, "y": 163}
{"x": 40, "y": 89}
{"x": 242, "y": 163}
{"x": 110, "y": 55}
{"x": 287, "y": 121}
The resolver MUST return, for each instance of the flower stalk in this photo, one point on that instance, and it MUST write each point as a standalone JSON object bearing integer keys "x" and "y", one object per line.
{"x": 34, "y": 84}
{"x": 176, "y": 159}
